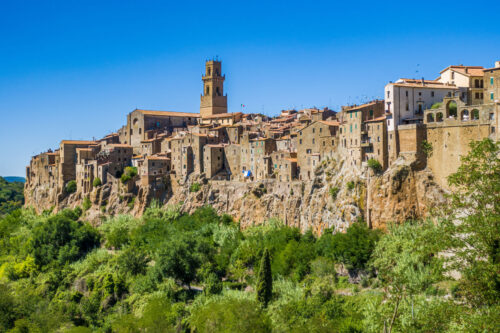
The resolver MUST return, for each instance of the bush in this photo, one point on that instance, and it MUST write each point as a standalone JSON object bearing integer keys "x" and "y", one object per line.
{"x": 350, "y": 185}
{"x": 374, "y": 165}
{"x": 130, "y": 172}
{"x": 97, "y": 182}
{"x": 195, "y": 187}
{"x": 427, "y": 148}
{"x": 71, "y": 187}
{"x": 436, "y": 105}
{"x": 334, "y": 191}
{"x": 86, "y": 204}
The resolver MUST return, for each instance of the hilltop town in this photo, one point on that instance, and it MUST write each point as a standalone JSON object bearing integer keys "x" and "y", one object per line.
{"x": 384, "y": 160}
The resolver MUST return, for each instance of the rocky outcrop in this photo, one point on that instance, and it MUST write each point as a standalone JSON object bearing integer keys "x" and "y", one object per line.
{"x": 337, "y": 196}
{"x": 405, "y": 191}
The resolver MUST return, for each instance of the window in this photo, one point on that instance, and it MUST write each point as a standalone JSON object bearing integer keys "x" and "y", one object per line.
{"x": 452, "y": 75}
{"x": 491, "y": 80}
{"x": 491, "y": 96}
{"x": 406, "y": 93}
{"x": 320, "y": 129}
{"x": 300, "y": 141}
{"x": 351, "y": 114}
{"x": 420, "y": 93}
{"x": 208, "y": 91}
{"x": 332, "y": 142}
{"x": 407, "y": 107}
{"x": 388, "y": 94}
{"x": 209, "y": 71}
{"x": 308, "y": 151}
{"x": 432, "y": 93}
{"x": 314, "y": 130}
{"x": 371, "y": 113}
{"x": 314, "y": 141}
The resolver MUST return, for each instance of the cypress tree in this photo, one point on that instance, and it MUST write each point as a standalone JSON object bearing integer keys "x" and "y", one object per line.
{"x": 265, "y": 280}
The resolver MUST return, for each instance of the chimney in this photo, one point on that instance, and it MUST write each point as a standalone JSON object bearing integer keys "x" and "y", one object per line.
{"x": 423, "y": 82}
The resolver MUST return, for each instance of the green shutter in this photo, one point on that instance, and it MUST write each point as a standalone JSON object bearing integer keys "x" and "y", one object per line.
{"x": 350, "y": 129}
{"x": 491, "y": 80}
{"x": 491, "y": 96}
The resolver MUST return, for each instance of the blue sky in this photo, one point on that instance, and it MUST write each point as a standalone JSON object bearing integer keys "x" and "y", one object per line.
{"x": 74, "y": 69}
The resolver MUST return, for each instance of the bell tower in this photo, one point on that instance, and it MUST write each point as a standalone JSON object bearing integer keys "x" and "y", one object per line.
{"x": 213, "y": 100}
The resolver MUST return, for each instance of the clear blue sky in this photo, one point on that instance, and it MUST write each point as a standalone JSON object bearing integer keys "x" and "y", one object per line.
{"x": 74, "y": 69}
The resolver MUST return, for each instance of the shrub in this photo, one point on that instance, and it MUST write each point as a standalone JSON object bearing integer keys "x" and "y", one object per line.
{"x": 96, "y": 182}
{"x": 374, "y": 165}
{"x": 427, "y": 148}
{"x": 130, "y": 172}
{"x": 334, "y": 191}
{"x": 436, "y": 105}
{"x": 86, "y": 203}
{"x": 350, "y": 185}
{"x": 71, "y": 187}
{"x": 195, "y": 187}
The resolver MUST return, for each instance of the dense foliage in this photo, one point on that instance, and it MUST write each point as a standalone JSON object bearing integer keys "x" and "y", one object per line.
{"x": 11, "y": 196}
{"x": 173, "y": 272}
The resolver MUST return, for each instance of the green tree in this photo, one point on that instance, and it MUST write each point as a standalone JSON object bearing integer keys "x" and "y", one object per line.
{"x": 265, "y": 280}
{"x": 407, "y": 264}
{"x": 176, "y": 259}
{"x": 374, "y": 165}
{"x": 71, "y": 187}
{"x": 474, "y": 223}
{"x": 96, "y": 182}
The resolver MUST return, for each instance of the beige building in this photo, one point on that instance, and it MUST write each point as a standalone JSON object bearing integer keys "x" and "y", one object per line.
{"x": 309, "y": 146}
{"x": 492, "y": 97}
{"x": 469, "y": 77}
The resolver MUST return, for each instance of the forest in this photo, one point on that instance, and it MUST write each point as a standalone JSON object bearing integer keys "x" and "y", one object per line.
{"x": 174, "y": 272}
{"x": 11, "y": 195}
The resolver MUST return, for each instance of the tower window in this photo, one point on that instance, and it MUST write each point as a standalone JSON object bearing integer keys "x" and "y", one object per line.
{"x": 209, "y": 71}
{"x": 218, "y": 91}
{"x": 208, "y": 91}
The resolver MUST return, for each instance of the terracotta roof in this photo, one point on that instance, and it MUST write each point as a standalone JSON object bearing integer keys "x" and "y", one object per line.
{"x": 151, "y": 140}
{"x": 375, "y": 120}
{"x": 471, "y": 70}
{"x": 77, "y": 142}
{"x": 137, "y": 157}
{"x": 291, "y": 159}
{"x": 168, "y": 113}
{"x": 357, "y": 107}
{"x": 223, "y": 115}
{"x": 330, "y": 122}
{"x": 119, "y": 145}
{"x": 434, "y": 85}
{"x": 155, "y": 158}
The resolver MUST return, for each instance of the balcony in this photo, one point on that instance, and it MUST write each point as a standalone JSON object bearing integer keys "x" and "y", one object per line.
{"x": 365, "y": 144}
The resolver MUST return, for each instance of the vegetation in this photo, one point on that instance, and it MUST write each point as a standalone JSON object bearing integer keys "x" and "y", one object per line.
{"x": 265, "y": 280}
{"x": 11, "y": 196}
{"x": 427, "y": 148}
{"x": 374, "y": 165}
{"x": 97, "y": 182}
{"x": 436, "y": 105}
{"x": 351, "y": 185}
{"x": 334, "y": 191}
{"x": 195, "y": 187}
{"x": 70, "y": 187}
{"x": 128, "y": 174}
{"x": 174, "y": 272}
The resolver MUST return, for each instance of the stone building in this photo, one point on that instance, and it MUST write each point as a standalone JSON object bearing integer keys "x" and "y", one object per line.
{"x": 68, "y": 159}
{"x": 355, "y": 141}
{"x": 309, "y": 145}
{"x": 213, "y": 160}
{"x": 405, "y": 102}
{"x": 153, "y": 170}
{"x": 284, "y": 164}
{"x": 232, "y": 153}
{"x": 145, "y": 124}
{"x": 213, "y": 101}
{"x": 469, "y": 77}
{"x": 492, "y": 97}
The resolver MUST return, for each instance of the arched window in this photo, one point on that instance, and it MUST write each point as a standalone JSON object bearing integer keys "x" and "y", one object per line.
{"x": 430, "y": 117}
{"x": 451, "y": 109}
{"x": 464, "y": 115}
{"x": 217, "y": 91}
{"x": 135, "y": 121}
{"x": 209, "y": 71}
{"x": 439, "y": 117}
{"x": 475, "y": 114}
{"x": 207, "y": 91}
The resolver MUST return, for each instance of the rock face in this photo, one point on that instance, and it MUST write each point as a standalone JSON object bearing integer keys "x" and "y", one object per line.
{"x": 337, "y": 196}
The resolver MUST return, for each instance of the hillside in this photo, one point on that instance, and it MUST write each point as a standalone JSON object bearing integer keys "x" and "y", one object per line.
{"x": 11, "y": 195}
{"x": 15, "y": 179}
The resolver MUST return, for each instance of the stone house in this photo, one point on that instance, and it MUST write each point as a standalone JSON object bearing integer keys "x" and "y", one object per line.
{"x": 154, "y": 169}
{"x": 492, "y": 97}
{"x": 309, "y": 145}
{"x": 469, "y": 77}
{"x": 213, "y": 159}
{"x": 354, "y": 137}
{"x": 284, "y": 164}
